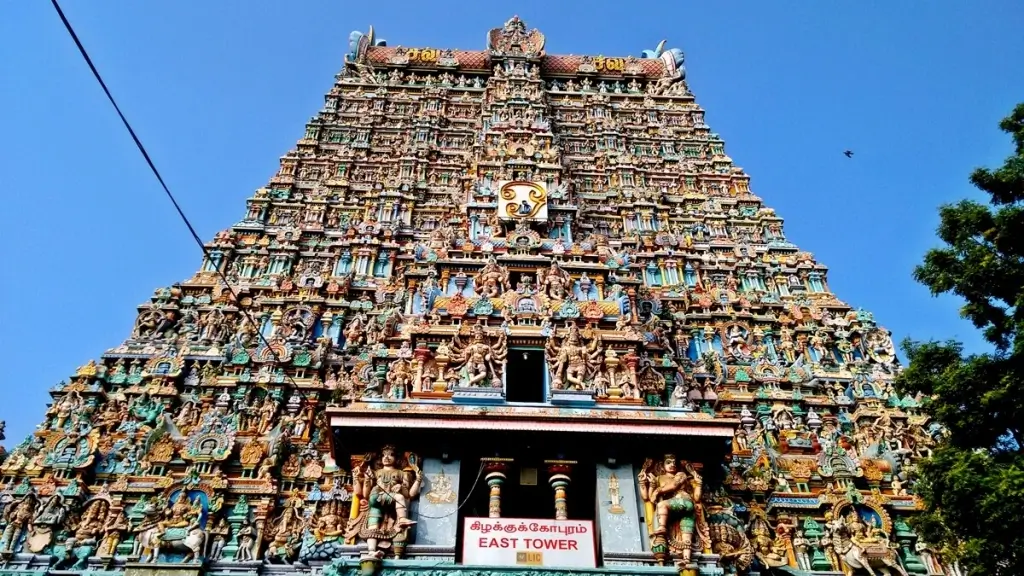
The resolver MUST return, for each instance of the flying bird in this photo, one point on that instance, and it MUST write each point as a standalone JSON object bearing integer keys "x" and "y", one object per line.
{"x": 848, "y": 153}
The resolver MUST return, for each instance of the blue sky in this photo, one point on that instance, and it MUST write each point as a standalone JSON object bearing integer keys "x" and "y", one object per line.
{"x": 218, "y": 91}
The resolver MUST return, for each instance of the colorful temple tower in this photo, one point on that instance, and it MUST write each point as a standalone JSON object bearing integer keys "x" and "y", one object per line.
{"x": 499, "y": 312}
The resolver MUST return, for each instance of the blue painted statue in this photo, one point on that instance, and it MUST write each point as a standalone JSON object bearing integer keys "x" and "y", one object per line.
{"x": 673, "y": 59}
{"x": 358, "y": 42}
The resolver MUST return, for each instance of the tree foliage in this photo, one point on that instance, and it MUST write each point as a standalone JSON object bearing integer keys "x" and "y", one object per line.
{"x": 973, "y": 485}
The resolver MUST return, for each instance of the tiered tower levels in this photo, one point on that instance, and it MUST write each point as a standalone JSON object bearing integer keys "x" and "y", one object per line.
{"x": 508, "y": 265}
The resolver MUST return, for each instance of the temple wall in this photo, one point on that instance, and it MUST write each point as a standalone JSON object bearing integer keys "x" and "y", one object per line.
{"x": 446, "y": 212}
{"x": 437, "y": 510}
{"x": 619, "y": 516}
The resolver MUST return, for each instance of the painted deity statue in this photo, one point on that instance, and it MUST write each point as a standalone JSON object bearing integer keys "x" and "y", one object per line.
{"x": 481, "y": 361}
{"x": 386, "y": 487}
{"x": 18, "y": 519}
{"x": 180, "y": 515}
{"x": 91, "y": 523}
{"x": 671, "y": 495}
{"x": 174, "y": 529}
{"x": 864, "y": 546}
{"x": 145, "y": 409}
{"x": 491, "y": 280}
{"x": 63, "y": 409}
{"x": 573, "y": 362}
{"x": 285, "y": 530}
{"x": 555, "y": 281}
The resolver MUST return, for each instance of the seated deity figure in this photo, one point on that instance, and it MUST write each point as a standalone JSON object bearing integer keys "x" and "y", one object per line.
{"x": 673, "y": 496}
{"x": 181, "y": 514}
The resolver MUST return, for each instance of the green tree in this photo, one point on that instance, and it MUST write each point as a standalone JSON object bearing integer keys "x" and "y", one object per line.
{"x": 973, "y": 485}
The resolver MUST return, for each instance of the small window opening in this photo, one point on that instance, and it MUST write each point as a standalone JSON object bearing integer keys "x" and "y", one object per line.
{"x": 524, "y": 380}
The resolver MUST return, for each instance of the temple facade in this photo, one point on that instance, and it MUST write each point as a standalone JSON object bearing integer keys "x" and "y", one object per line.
{"x": 499, "y": 311}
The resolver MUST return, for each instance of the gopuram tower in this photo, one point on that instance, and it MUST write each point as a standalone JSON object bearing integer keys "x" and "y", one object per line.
{"x": 498, "y": 312}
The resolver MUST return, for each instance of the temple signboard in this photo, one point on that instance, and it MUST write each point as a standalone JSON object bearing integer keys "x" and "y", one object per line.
{"x": 528, "y": 542}
{"x": 522, "y": 201}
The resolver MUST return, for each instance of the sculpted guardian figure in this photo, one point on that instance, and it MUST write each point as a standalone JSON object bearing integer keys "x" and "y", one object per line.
{"x": 386, "y": 487}
{"x": 672, "y": 498}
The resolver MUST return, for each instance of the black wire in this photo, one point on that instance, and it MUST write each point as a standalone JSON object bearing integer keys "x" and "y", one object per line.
{"x": 167, "y": 191}
{"x": 479, "y": 474}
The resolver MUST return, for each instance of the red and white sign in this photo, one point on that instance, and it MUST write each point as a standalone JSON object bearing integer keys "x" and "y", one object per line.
{"x": 528, "y": 542}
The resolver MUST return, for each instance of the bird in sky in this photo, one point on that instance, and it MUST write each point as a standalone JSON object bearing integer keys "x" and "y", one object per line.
{"x": 848, "y": 153}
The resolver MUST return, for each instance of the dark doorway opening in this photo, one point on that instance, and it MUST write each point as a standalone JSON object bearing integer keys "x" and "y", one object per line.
{"x": 529, "y": 495}
{"x": 524, "y": 377}
{"x": 526, "y": 491}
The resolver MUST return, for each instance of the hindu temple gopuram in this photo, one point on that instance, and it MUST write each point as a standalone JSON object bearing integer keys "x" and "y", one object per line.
{"x": 498, "y": 312}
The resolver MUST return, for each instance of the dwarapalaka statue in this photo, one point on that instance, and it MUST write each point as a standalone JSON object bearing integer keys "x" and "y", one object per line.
{"x": 386, "y": 487}
{"x": 672, "y": 506}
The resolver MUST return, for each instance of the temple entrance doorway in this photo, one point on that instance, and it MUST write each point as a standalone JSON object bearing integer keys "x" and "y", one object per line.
{"x": 529, "y": 494}
{"x": 525, "y": 376}
{"x": 526, "y": 492}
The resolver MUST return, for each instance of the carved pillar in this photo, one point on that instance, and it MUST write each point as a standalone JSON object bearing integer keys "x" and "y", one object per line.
{"x": 369, "y": 268}
{"x": 392, "y": 258}
{"x": 422, "y": 355}
{"x": 495, "y": 469}
{"x": 413, "y": 284}
{"x": 262, "y": 512}
{"x": 631, "y": 293}
{"x": 275, "y": 322}
{"x": 632, "y": 361}
{"x": 356, "y": 465}
{"x": 559, "y": 479}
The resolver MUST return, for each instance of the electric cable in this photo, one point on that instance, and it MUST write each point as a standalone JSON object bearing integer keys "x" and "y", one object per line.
{"x": 163, "y": 184}
{"x": 465, "y": 500}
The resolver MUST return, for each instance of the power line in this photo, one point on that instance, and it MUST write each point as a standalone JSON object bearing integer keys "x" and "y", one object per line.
{"x": 167, "y": 191}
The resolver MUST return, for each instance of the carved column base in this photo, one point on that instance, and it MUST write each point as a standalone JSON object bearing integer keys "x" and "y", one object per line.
{"x": 369, "y": 565}
{"x": 474, "y": 395}
{"x": 432, "y": 395}
{"x": 137, "y": 569}
{"x": 659, "y": 547}
{"x": 573, "y": 397}
{"x": 612, "y": 399}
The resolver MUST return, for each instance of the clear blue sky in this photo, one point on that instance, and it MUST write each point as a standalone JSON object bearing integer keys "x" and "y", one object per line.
{"x": 219, "y": 90}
